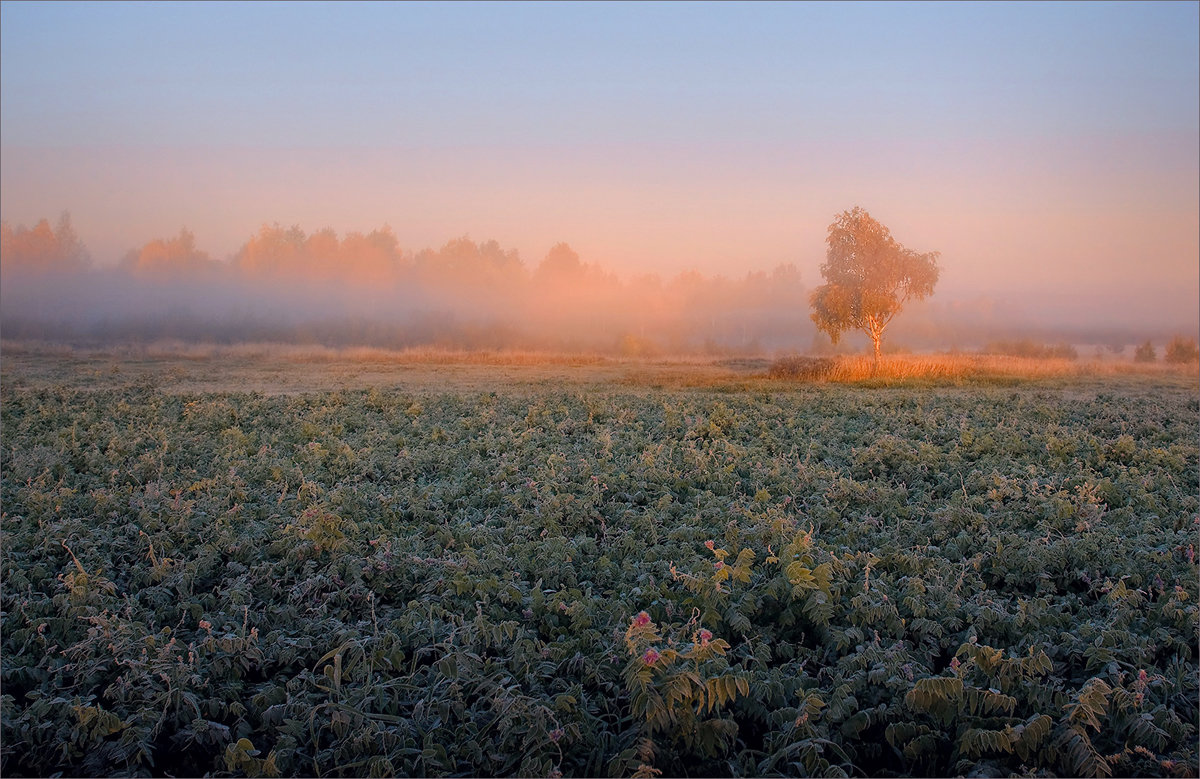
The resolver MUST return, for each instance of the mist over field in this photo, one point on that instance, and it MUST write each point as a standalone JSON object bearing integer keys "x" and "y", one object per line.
{"x": 320, "y": 287}
{"x": 632, "y": 179}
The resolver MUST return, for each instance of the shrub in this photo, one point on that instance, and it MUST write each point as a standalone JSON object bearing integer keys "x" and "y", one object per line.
{"x": 1145, "y": 353}
{"x": 801, "y": 367}
{"x": 1182, "y": 350}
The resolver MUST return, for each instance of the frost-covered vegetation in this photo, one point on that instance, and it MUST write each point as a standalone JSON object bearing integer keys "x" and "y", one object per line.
{"x": 602, "y": 580}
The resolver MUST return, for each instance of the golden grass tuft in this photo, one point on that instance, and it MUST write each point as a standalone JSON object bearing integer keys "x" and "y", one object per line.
{"x": 968, "y": 367}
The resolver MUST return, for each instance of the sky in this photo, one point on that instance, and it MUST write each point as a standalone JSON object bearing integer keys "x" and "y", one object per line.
{"x": 1049, "y": 151}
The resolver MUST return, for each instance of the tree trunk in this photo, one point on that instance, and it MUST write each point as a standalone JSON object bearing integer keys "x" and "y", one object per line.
{"x": 875, "y": 329}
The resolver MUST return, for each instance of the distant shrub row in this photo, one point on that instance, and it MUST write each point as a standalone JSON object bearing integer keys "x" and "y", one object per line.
{"x": 1179, "y": 351}
{"x": 1027, "y": 348}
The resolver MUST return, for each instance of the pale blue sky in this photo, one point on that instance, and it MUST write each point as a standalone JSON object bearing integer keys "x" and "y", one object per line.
{"x": 1029, "y": 142}
{"x": 325, "y": 74}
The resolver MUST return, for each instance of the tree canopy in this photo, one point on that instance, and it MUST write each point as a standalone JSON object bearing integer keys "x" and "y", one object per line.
{"x": 42, "y": 248}
{"x": 868, "y": 278}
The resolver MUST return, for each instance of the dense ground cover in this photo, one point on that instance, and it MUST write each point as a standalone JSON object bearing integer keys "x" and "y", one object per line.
{"x": 599, "y": 580}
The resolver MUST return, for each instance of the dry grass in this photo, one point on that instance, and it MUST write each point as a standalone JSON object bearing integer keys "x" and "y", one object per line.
{"x": 9, "y": 348}
{"x": 299, "y": 353}
{"x": 424, "y": 355}
{"x": 282, "y": 368}
{"x": 801, "y": 368}
{"x": 967, "y": 367}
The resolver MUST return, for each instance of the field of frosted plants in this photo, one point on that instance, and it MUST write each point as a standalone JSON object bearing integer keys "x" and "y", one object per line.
{"x": 582, "y": 572}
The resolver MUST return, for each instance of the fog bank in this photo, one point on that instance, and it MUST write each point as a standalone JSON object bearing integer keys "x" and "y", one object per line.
{"x": 364, "y": 289}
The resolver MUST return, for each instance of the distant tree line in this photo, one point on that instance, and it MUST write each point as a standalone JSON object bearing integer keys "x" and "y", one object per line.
{"x": 285, "y": 284}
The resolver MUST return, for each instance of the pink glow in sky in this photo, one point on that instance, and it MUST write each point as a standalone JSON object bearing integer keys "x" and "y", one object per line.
{"x": 1048, "y": 151}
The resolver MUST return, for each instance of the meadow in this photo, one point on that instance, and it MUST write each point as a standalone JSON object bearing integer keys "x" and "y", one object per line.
{"x": 260, "y": 561}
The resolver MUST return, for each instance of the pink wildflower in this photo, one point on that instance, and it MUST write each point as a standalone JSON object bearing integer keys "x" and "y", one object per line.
{"x": 641, "y": 620}
{"x": 709, "y": 544}
{"x": 205, "y": 625}
{"x": 719, "y": 564}
{"x": 556, "y": 734}
{"x": 705, "y": 637}
{"x": 651, "y": 657}
{"x": 954, "y": 664}
{"x": 1191, "y": 554}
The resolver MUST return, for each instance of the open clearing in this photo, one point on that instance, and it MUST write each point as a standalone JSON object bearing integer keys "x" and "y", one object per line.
{"x": 261, "y": 562}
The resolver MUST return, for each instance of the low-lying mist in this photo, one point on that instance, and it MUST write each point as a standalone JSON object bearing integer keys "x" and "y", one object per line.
{"x": 287, "y": 286}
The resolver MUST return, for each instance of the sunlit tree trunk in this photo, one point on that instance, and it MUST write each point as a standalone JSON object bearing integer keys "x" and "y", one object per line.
{"x": 875, "y": 330}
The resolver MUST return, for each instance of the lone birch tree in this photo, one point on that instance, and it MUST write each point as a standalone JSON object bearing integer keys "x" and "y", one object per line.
{"x": 868, "y": 278}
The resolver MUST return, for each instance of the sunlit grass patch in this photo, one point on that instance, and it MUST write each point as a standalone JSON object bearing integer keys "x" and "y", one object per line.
{"x": 958, "y": 368}
{"x": 955, "y": 367}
